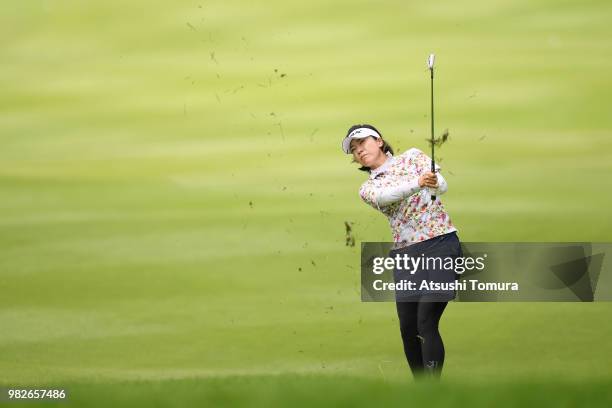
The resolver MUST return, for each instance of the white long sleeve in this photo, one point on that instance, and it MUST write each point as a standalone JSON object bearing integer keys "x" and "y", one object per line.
{"x": 381, "y": 196}
{"x": 442, "y": 185}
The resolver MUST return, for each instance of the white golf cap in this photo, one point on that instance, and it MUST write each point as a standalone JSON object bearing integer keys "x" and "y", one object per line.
{"x": 358, "y": 133}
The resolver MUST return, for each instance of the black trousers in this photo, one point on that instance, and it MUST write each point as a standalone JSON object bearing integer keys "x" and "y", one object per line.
{"x": 419, "y": 313}
{"x": 423, "y": 345}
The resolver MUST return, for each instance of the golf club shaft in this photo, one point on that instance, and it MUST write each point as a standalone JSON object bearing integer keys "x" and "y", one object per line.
{"x": 433, "y": 161}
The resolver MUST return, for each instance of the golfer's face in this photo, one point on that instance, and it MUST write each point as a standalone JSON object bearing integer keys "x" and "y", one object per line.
{"x": 366, "y": 150}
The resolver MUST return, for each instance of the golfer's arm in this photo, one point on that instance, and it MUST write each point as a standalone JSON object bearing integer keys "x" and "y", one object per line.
{"x": 442, "y": 185}
{"x": 381, "y": 196}
{"x": 424, "y": 162}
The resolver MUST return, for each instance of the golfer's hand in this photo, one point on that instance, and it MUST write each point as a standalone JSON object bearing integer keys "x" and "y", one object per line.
{"x": 428, "y": 179}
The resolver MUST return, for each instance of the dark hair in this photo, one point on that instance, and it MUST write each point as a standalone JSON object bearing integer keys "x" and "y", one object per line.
{"x": 386, "y": 147}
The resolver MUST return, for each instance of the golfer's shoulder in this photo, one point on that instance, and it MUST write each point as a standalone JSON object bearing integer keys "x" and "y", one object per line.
{"x": 411, "y": 153}
{"x": 414, "y": 151}
{"x": 369, "y": 187}
{"x": 365, "y": 190}
{"x": 368, "y": 183}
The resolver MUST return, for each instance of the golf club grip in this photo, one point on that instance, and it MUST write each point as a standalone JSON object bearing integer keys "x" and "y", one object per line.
{"x": 433, "y": 170}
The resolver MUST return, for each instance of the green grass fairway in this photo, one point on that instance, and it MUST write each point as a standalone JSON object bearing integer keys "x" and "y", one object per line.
{"x": 325, "y": 391}
{"x": 173, "y": 196}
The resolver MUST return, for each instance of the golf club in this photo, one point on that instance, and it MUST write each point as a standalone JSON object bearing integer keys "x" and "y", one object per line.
{"x": 430, "y": 65}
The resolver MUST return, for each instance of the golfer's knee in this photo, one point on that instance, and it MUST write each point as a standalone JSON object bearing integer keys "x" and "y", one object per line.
{"x": 408, "y": 330}
{"x": 425, "y": 327}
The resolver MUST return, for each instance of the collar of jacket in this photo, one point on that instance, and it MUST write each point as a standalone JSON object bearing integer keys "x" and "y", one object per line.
{"x": 382, "y": 168}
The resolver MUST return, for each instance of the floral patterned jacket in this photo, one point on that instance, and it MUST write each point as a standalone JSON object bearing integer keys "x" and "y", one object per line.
{"x": 393, "y": 188}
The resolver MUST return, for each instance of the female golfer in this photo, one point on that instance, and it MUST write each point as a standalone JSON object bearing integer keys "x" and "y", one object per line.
{"x": 401, "y": 187}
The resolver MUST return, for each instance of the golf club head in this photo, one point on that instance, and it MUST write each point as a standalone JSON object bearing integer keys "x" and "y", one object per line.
{"x": 430, "y": 61}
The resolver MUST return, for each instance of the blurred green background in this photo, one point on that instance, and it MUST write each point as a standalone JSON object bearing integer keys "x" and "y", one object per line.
{"x": 173, "y": 194}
